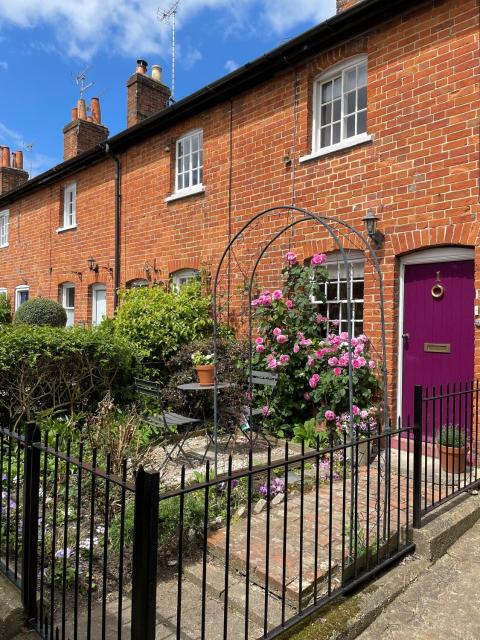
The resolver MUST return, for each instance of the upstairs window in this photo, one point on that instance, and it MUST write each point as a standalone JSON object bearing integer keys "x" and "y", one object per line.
{"x": 70, "y": 206}
{"x": 340, "y": 106}
{"x": 334, "y": 309}
{"x": 4, "y": 217}
{"x": 189, "y": 162}
{"x": 67, "y": 300}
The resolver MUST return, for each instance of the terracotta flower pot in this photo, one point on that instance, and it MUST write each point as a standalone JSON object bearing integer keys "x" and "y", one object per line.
{"x": 206, "y": 374}
{"x": 452, "y": 459}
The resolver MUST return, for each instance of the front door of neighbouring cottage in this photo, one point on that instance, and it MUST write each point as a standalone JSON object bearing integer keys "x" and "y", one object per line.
{"x": 438, "y": 328}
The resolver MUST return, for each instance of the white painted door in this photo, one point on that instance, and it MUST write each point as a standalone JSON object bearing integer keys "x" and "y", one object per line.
{"x": 99, "y": 303}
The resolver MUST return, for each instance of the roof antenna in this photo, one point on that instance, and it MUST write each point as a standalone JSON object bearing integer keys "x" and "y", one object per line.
{"x": 81, "y": 81}
{"x": 29, "y": 148}
{"x": 168, "y": 16}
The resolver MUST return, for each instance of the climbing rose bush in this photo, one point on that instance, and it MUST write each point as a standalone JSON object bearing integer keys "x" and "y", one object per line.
{"x": 311, "y": 362}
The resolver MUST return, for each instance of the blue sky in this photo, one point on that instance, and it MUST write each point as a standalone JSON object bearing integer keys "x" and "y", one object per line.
{"x": 45, "y": 43}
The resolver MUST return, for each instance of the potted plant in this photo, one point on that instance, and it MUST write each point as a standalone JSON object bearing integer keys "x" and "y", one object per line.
{"x": 364, "y": 427}
{"x": 205, "y": 367}
{"x": 451, "y": 448}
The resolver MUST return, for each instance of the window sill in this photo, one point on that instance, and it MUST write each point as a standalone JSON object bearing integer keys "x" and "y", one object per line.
{"x": 184, "y": 193}
{"x": 62, "y": 229}
{"x": 345, "y": 144}
{"x": 4, "y": 246}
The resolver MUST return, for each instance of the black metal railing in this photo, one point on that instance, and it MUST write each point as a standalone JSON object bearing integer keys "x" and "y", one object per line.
{"x": 446, "y": 436}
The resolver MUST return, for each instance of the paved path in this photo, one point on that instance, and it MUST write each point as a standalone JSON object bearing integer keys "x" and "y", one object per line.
{"x": 444, "y": 604}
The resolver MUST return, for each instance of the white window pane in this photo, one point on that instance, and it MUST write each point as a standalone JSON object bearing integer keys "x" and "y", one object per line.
{"x": 327, "y": 92}
{"x": 186, "y": 180}
{"x": 70, "y": 297}
{"x": 186, "y": 146}
{"x": 336, "y": 133}
{"x": 186, "y": 163}
{"x": 180, "y": 181}
{"x": 362, "y": 122}
{"x": 327, "y": 113}
{"x": 362, "y": 98}
{"x": 362, "y": 75}
{"x": 194, "y": 160}
{"x": 195, "y": 143}
{"x": 180, "y": 148}
{"x": 349, "y": 124}
{"x": 350, "y": 79}
{"x": 194, "y": 177}
{"x": 337, "y": 87}
{"x": 201, "y": 175}
{"x": 325, "y": 137}
{"x": 350, "y": 102}
{"x": 337, "y": 110}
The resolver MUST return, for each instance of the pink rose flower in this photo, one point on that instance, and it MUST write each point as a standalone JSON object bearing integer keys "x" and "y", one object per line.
{"x": 284, "y": 358}
{"x": 272, "y": 364}
{"x": 343, "y": 360}
{"x": 333, "y": 361}
{"x": 266, "y": 411}
{"x": 281, "y": 339}
{"x": 307, "y": 396}
{"x": 364, "y": 414}
{"x": 343, "y": 336}
{"x": 305, "y": 342}
{"x": 330, "y": 415}
{"x": 372, "y": 364}
{"x": 335, "y": 323}
{"x": 296, "y": 349}
{"x": 355, "y": 410}
{"x": 277, "y": 331}
{"x": 314, "y": 380}
{"x": 310, "y": 361}
{"x": 356, "y": 363}
{"x": 255, "y": 302}
{"x": 317, "y": 259}
{"x": 260, "y": 348}
{"x": 337, "y": 371}
{"x": 319, "y": 318}
{"x": 259, "y": 340}
{"x": 291, "y": 258}
{"x": 290, "y": 304}
{"x": 277, "y": 294}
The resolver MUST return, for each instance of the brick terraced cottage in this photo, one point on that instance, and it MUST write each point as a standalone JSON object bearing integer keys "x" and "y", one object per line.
{"x": 376, "y": 109}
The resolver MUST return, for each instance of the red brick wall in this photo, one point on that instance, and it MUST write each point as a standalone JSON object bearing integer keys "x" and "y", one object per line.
{"x": 420, "y": 175}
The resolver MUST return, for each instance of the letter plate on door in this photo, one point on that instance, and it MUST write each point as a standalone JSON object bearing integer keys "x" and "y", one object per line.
{"x": 432, "y": 347}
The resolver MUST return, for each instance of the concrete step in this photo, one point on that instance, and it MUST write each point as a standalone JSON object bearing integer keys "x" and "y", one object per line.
{"x": 12, "y": 616}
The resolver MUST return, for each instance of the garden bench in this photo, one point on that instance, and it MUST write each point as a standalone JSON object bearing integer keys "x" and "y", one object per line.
{"x": 166, "y": 420}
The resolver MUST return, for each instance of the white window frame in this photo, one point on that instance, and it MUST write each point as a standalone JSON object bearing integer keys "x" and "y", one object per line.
{"x": 70, "y": 311}
{"x": 180, "y": 189}
{"x": 338, "y": 71}
{"x": 182, "y": 277}
{"x": 137, "y": 283}
{"x": 335, "y": 265}
{"x": 94, "y": 289}
{"x": 69, "y": 207}
{"x": 3, "y": 291}
{"x": 18, "y": 291}
{"x": 4, "y": 224}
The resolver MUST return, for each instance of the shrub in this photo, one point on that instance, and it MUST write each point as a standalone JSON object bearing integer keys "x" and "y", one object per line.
{"x": 46, "y": 368}
{"x": 5, "y": 312}
{"x": 157, "y": 322}
{"x": 41, "y": 311}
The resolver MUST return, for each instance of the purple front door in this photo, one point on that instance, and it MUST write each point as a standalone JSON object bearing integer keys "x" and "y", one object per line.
{"x": 438, "y": 328}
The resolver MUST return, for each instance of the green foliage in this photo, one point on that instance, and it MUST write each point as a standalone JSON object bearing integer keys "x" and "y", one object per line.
{"x": 5, "y": 311}
{"x": 45, "y": 368}
{"x": 452, "y": 435}
{"x": 310, "y": 433}
{"x": 157, "y": 322}
{"x": 41, "y": 311}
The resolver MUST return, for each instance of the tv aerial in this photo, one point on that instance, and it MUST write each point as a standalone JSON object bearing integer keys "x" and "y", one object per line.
{"x": 28, "y": 147}
{"x": 168, "y": 16}
{"x": 81, "y": 81}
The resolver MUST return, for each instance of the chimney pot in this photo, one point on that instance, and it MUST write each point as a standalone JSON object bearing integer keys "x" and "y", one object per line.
{"x": 142, "y": 67}
{"x": 74, "y": 114}
{"x": 157, "y": 72}
{"x": 5, "y": 157}
{"x": 18, "y": 159}
{"x": 81, "y": 109}
{"x": 95, "y": 110}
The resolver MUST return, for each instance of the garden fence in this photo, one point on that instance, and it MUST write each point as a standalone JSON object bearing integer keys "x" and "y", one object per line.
{"x": 100, "y": 552}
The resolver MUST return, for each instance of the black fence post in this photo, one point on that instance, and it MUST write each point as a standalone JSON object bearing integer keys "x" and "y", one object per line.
{"x": 417, "y": 458}
{"x": 145, "y": 545}
{"x": 31, "y": 485}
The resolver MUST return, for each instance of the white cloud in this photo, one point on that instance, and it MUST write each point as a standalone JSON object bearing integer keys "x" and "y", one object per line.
{"x": 3, "y": 65}
{"x": 131, "y": 28}
{"x": 36, "y": 162}
{"x": 189, "y": 59}
{"x": 231, "y": 65}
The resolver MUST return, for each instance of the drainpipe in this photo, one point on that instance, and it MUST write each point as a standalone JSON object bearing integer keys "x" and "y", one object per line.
{"x": 116, "y": 270}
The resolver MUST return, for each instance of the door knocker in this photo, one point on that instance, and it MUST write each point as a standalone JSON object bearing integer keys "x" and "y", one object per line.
{"x": 438, "y": 289}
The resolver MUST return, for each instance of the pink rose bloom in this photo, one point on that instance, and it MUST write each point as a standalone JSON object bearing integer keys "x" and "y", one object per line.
{"x": 363, "y": 338}
{"x": 265, "y": 411}
{"x": 318, "y": 258}
{"x": 305, "y": 342}
{"x": 310, "y": 361}
{"x": 343, "y": 360}
{"x": 255, "y": 302}
{"x": 290, "y": 304}
{"x": 281, "y": 339}
{"x": 291, "y": 258}
{"x": 260, "y": 348}
{"x": 277, "y": 294}
{"x": 259, "y": 340}
{"x": 354, "y": 342}
{"x": 300, "y": 335}
{"x": 307, "y": 396}
{"x": 355, "y": 410}
{"x": 314, "y": 380}
{"x": 296, "y": 349}
{"x": 358, "y": 349}
{"x": 356, "y": 363}
{"x": 337, "y": 371}
{"x": 284, "y": 359}
{"x": 270, "y": 357}
{"x": 330, "y": 415}
{"x": 272, "y": 364}
{"x": 364, "y": 414}
{"x": 362, "y": 361}
{"x": 372, "y": 364}
{"x": 333, "y": 361}
{"x": 276, "y": 332}
{"x": 335, "y": 323}
{"x": 321, "y": 352}
{"x": 343, "y": 336}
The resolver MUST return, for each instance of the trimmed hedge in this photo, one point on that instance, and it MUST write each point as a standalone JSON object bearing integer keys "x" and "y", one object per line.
{"x": 5, "y": 311}
{"x": 41, "y": 311}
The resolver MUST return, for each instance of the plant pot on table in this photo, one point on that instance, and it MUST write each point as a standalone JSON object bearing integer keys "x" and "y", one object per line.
{"x": 206, "y": 374}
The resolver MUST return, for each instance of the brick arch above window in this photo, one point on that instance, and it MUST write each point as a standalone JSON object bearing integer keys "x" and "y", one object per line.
{"x": 183, "y": 263}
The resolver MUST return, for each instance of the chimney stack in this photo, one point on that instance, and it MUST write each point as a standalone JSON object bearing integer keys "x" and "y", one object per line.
{"x": 343, "y": 5}
{"x": 12, "y": 174}
{"x": 146, "y": 95}
{"x": 83, "y": 132}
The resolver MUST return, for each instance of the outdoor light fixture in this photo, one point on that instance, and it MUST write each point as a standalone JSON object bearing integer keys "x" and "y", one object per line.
{"x": 370, "y": 222}
{"x": 92, "y": 264}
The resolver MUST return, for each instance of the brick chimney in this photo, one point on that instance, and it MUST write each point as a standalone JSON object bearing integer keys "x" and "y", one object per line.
{"x": 84, "y": 132}
{"x": 146, "y": 95}
{"x": 12, "y": 174}
{"x": 343, "y": 5}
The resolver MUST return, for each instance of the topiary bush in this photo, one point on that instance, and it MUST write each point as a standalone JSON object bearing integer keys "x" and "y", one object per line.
{"x": 41, "y": 311}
